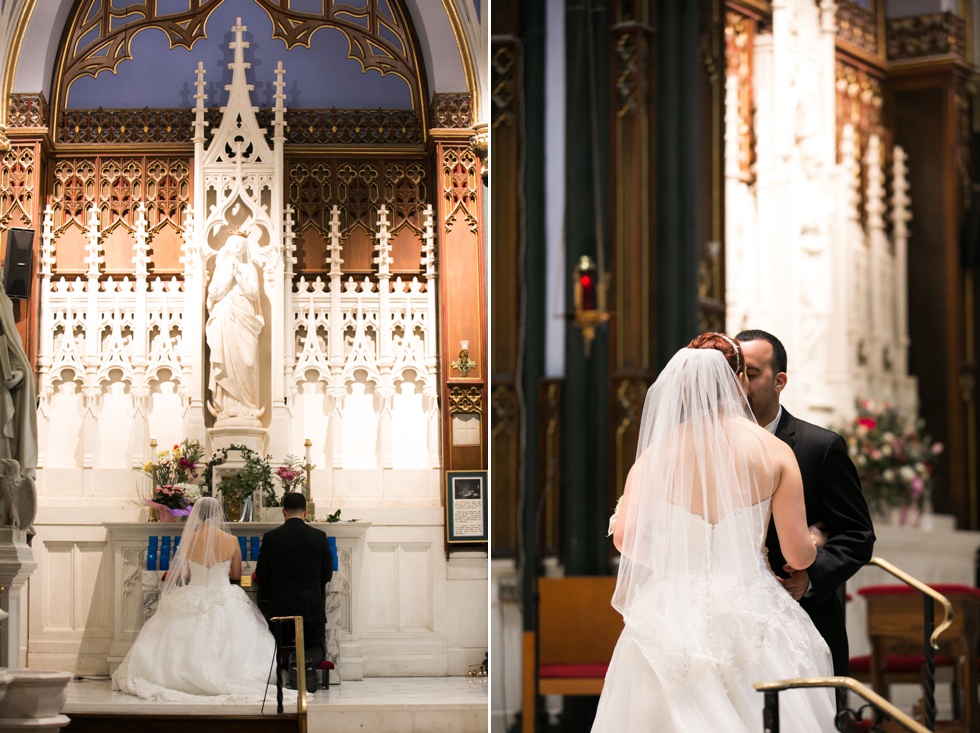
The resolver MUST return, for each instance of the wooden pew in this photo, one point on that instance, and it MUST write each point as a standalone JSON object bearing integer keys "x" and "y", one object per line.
{"x": 577, "y": 631}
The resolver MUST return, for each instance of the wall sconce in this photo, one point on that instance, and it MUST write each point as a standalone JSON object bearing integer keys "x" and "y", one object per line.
{"x": 589, "y": 292}
{"x": 463, "y": 364}
{"x": 479, "y": 145}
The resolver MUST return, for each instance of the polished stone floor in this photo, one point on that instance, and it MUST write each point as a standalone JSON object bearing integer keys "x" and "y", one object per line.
{"x": 396, "y": 704}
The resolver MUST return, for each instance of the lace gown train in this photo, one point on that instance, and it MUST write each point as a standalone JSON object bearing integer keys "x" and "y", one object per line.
{"x": 206, "y": 640}
{"x": 692, "y": 649}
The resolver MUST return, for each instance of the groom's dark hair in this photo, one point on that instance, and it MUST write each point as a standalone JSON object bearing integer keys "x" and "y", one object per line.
{"x": 778, "y": 351}
{"x": 294, "y": 501}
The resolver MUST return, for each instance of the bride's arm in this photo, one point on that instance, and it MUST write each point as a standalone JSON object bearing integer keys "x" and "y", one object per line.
{"x": 619, "y": 527}
{"x": 235, "y": 572}
{"x": 789, "y": 510}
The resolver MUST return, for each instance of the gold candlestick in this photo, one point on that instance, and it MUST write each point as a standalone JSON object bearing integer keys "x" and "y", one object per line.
{"x": 152, "y": 514}
{"x": 310, "y": 506}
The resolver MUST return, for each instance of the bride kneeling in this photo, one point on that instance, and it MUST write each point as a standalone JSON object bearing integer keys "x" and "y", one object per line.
{"x": 207, "y": 639}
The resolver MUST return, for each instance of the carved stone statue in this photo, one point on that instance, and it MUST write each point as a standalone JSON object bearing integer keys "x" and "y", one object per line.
{"x": 18, "y": 425}
{"x": 232, "y": 331}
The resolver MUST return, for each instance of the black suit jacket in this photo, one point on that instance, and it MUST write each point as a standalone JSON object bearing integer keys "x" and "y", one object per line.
{"x": 293, "y": 569}
{"x": 832, "y": 492}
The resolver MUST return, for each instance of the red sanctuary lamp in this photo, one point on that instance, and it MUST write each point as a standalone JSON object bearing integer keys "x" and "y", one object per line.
{"x": 589, "y": 293}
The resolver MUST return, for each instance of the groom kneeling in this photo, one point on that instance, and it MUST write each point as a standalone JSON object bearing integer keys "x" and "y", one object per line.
{"x": 293, "y": 569}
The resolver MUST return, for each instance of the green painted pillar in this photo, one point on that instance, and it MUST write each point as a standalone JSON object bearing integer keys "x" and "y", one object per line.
{"x": 586, "y": 406}
{"x": 678, "y": 174}
{"x": 534, "y": 311}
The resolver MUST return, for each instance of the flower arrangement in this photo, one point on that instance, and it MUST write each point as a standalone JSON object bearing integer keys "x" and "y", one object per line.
{"x": 291, "y": 477}
{"x": 176, "y": 477}
{"x": 895, "y": 458}
{"x": 175, "y": 498}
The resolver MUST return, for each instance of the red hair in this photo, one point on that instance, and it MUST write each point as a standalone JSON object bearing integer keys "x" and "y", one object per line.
{"x": 725, "y": 344}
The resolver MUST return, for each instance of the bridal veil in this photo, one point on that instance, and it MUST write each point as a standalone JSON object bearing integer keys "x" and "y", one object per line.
{"x": 206, "y": 540}
{"x": 695, "y": 515}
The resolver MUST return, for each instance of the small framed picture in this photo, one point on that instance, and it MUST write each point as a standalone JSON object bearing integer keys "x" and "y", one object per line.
{"x": 466, "y": 506}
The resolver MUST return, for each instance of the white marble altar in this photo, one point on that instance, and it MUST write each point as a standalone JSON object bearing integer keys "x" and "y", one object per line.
{"x": 85, "y": 597}
{"x": 128, "y": 544}
{"x": 136, "y": 595}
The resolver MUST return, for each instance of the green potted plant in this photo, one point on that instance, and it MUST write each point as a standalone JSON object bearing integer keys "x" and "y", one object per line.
{"x": 239, "y": 488}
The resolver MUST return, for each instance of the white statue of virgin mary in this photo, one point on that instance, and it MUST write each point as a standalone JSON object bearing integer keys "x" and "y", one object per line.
{"x": 232, "y": 332}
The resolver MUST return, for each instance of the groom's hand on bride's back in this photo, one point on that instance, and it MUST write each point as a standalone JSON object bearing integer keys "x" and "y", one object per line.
{"x": 797, "y": 582}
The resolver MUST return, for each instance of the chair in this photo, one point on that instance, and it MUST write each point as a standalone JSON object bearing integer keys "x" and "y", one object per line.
{"x": 895, "y": 616}
{"x": 577, "y": 631}
{"x": 324, "y": 668}
{"x": 900, "y": 669}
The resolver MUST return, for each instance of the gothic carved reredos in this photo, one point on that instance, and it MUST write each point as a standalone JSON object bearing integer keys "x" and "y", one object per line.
{"x": 303, "y": 126}
{"x": 857, "y": 26}
{"x": 465, "y": 399}
{"x": 808, "y": 246}
{"x": 460, "y": 185}
{"x": 452, "y": 110}
{"x": 18, "y": 186}
{"x": 136, "y": 236}
{"x": 27, "y": 110}
{"x": 505, "y": 70}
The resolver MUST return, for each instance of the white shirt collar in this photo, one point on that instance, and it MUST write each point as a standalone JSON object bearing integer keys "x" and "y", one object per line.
{"x": 771, "y": 427}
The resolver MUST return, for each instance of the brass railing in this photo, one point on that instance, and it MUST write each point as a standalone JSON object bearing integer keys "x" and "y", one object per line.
{"x": 771, "y": 690}
{"x": 300, "y": 672}
{"x": 930, "y": 634}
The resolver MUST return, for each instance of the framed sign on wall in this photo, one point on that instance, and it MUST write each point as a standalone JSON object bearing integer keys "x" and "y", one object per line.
{"x": 466, "y": 506}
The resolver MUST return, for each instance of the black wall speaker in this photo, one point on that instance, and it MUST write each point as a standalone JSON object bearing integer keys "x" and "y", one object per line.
{"x": 18, "y": 265}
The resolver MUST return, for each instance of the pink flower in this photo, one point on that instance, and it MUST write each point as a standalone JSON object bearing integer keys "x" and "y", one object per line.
{"x": 917, "y": 487}
{"x": 868, "y": 422}
{"x": 937, "y": 448}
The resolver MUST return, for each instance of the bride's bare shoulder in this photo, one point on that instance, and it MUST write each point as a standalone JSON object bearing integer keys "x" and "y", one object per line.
{"x": 746, "y": 428}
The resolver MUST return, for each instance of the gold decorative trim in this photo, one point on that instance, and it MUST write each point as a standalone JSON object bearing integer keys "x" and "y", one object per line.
{"x": 463, "y": 44}
{"x": 480, "y": 146}
{"x": 628, "y": 408}
{"x": 505, "y": 410}
{"x": 465, "y": 400}
{"x": 13, "y": 56}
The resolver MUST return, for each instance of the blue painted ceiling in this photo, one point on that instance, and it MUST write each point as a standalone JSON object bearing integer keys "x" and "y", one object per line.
{"x": 162, "y": 77}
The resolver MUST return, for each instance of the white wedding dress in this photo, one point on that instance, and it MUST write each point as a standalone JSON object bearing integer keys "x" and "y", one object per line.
{"x": 206, "y": 640}
{"x": 687, "y": 657}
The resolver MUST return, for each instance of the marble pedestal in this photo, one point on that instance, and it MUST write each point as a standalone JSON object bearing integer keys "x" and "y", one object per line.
{"x": 16, "y": 566}
{"x": 33, "y": 701}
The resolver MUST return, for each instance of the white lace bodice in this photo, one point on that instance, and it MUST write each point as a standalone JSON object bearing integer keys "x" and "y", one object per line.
{"x": 705, "y": 547}
{"x": 214, "y": 575}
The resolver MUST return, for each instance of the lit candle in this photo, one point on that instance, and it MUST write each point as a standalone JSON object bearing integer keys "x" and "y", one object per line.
{"x": 308, "y": 467}
{"x": 465, "y": 345}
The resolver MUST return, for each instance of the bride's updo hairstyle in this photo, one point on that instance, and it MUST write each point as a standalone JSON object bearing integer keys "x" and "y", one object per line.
{"x": 725, "y": 344}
